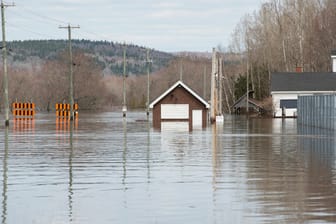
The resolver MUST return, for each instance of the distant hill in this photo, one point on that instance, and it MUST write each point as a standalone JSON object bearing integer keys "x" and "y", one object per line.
{"x": 109, "y": 55}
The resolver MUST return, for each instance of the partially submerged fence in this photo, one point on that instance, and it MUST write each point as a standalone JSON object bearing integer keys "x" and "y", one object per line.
{"x": 317, "y": 110}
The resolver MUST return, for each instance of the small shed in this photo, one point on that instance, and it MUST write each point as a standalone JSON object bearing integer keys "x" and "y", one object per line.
{"x": 239, "y": 107}
{"x": 180, "y": 104}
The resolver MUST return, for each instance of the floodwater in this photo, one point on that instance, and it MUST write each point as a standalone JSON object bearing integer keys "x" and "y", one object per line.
{"x": 103, "y": 170}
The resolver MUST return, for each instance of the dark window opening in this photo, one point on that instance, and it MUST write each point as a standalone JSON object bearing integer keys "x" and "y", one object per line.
{"x": 288, "y": 104}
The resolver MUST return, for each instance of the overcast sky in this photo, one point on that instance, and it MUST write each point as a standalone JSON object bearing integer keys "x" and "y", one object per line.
{"x": 170, "y": 25}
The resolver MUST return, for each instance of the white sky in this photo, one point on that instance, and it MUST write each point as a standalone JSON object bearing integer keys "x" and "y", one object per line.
{"x": 171, "y": 25}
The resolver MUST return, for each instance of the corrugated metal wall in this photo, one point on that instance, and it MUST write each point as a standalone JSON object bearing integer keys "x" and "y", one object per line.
{"x": 317, "y": 111}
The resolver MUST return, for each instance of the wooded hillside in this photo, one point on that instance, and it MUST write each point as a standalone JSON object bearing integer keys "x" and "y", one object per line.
{"x": 108, "y": 55}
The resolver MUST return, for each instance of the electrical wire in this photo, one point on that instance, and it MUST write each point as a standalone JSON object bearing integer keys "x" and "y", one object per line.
{"x": 44, "y": 17}
{"x": 41, "y": 18}
{"x": 29, "y": 31}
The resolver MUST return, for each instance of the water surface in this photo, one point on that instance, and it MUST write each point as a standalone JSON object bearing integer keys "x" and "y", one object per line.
{"x": 106, "y": 170}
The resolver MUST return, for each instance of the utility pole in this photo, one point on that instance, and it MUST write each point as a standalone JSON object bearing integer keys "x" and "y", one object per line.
{"x": 220, "y": 85}
{"x": 204, "y": 82}
{"x": 213, "y": 108}
{"x": 181, "y": 69}
{"x": 148, "y": 62}
{"x": 71, "y": 70}
{"x": 247, "y": 85}
{"x": 124, "y": 107}
{"x": 224, "y": 87}
{"x": 4, "y": 59}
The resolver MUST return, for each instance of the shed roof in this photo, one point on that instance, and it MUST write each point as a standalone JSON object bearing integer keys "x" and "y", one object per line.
{"x": 304, "y": 81}
{"x": 179, "y": 83}
{"x": 251, "y": 101}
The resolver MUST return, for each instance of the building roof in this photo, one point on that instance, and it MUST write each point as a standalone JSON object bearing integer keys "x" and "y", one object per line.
{"x": 240, "y": 101}
{"x": 179, "y": 83}
{"x": 304, "y": 81}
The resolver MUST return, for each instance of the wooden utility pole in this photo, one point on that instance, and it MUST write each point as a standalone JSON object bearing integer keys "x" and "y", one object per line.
{"x": 213, "y": 108}
{"x": 148, "y": 62}
{"x": 181, "y": 69}
{"x": 71, "y": 70}
{"x": 204, "y": 82}
{"x": 224, "y": 87}
{"x": 4, "y": 59}
{"x": 247, "y": 85}
{"x": 220, "y": 85}
{"x": 124, "y": 107}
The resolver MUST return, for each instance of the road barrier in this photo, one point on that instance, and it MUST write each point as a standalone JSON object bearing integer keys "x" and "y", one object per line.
{"x": 23, "y": 110}
{"x": 63, "y": 110}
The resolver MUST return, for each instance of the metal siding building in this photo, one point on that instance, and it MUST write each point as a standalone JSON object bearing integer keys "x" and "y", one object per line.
{"x": 180, "y": 104}
{"x": 317, "y": 111}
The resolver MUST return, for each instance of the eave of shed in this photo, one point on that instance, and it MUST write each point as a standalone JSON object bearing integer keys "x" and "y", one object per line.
{"x": 179, "y": 83}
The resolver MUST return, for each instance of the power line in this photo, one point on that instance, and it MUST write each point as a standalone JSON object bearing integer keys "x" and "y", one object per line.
{"x": 103, "y": 37}
{"x": 29, "y": 31}
{"x": 44, "y": 18}
{"x": 55, "y": 20}
{"x": 41, "y": 18}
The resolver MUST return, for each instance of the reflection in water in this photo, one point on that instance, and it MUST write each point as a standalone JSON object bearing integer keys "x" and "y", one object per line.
{"x": 317, "y": 138}
{"x": 70, "y": 197}
{"x": 317, "y": 147}
{"x": 63, "y": 124}
{"x": 214, "y": 155}
{"x": 124, "y": 152}
{"x": 175, "y": 137}
{"x": 148, "y": 150}
{"x": 263, "y": 171}
{"x": 214, "y": 164}
{"x": 290, "y": 176}
{"x": 23, "y": 125}
{"x": 5, "y": 178}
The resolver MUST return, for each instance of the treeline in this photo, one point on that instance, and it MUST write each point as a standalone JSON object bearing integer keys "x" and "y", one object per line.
{"x": 48, "y": 82}
{"x": 281, "y": 36}
{"x": 108, "y": 55}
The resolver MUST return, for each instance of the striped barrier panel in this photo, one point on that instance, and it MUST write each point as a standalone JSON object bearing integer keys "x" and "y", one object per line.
{"x": 23, "y": 110}
{"x": 63, "y": 110}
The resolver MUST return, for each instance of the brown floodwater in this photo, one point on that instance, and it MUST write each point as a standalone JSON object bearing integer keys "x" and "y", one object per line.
{"x": 103, "y": 169}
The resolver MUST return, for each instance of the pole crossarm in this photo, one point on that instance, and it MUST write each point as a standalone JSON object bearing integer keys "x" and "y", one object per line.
{"x": 7, "y": 5}
{"x": 69, "y": 26}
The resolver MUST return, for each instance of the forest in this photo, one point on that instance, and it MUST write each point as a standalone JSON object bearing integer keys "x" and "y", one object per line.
{"x": 279, "y": 37}
{"x": 108, "y": 55}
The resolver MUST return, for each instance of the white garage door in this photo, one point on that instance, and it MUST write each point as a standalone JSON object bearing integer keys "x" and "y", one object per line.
{"x": 171, "y": 126}
{"x": 197, "y": 118}
{"x": 174, "y": 111}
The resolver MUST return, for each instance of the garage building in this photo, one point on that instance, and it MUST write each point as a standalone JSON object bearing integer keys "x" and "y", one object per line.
{"x": 180, "y": 104}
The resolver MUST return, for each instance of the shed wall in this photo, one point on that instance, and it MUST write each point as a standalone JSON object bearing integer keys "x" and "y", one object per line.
{"x": 179, "y": 96}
